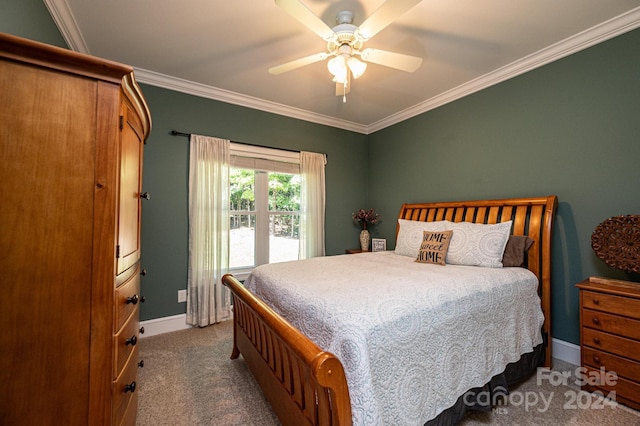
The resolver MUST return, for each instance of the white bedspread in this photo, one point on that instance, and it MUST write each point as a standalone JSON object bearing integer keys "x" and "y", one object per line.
{"x": 412, "y": 337}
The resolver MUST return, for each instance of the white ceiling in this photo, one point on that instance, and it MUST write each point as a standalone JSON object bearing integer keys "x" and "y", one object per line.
{"x": 221, "y": 49}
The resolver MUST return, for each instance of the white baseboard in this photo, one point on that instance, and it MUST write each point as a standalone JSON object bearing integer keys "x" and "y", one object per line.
{"x": 565, "y": 351}
{"x": 164, "y": 325}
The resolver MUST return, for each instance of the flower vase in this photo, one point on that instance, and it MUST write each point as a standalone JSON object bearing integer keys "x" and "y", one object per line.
{"x": 365, "y": 238}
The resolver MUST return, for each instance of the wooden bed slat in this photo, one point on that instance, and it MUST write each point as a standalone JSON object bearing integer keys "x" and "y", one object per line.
{"x": 507, "y": 213}
{"x": 307, "y": 386}
{"x": 493, "y": 215}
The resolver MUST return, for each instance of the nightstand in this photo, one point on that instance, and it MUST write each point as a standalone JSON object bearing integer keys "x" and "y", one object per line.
{"x": 610, "y": 338}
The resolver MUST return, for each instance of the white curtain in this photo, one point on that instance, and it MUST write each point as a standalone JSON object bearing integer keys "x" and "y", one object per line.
{"x": 208, "y": 301}
{"x": 312, "y": 204}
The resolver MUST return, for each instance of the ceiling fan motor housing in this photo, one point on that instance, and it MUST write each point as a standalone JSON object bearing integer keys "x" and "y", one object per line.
{"x": 344, "y": 33}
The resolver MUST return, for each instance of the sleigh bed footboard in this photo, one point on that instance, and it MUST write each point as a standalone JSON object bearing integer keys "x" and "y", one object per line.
{"x": 303, "y": 384}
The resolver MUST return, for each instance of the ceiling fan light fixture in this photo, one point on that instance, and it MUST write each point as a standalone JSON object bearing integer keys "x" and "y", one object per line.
{"x": 337, "y": 65}
{"x": 357, "y": 67}
{"x": 341, "y": 77}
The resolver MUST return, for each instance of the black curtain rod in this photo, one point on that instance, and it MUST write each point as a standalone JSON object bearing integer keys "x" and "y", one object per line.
{"x": 177, "y": 133}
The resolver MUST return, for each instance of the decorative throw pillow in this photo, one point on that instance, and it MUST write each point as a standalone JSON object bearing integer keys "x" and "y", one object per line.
{"x": 477, "y": 244}
{"x": 433, "y": 248}
{"x": 410, "y": 235}
{"x": 514, "y": 251}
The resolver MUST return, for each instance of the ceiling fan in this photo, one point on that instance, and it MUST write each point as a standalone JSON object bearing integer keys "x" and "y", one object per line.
{"x": 345, "y": 42}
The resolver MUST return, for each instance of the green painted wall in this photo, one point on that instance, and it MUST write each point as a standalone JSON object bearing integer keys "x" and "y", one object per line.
{"x": 570, "y": 128}
{"x": 29, "y": 19}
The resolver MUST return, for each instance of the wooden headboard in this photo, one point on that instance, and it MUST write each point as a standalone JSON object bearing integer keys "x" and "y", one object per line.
{"x": 531, "y": 216}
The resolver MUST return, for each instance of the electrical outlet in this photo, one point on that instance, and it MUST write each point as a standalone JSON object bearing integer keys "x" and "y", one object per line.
{"x": 182, "y": 296}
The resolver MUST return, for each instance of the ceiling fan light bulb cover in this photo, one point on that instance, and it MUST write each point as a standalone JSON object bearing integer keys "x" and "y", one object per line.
{"x": 341, "y": 76}
{"x": 357, "y": 67}
{"x": 337, "y": 65}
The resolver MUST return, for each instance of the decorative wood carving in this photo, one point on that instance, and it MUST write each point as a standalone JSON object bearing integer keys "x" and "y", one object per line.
{"x": 617, "y": 242}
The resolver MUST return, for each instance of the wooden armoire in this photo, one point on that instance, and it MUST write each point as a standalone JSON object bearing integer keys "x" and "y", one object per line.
{"x": 72, "y": 130}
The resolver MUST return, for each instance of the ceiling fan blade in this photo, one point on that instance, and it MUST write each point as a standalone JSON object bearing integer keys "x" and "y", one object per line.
{"x": 306, "y": 17}
{"x": 389, "y": 11}
{"x": 279, "y": 69}
{"x": 391, "y": 59}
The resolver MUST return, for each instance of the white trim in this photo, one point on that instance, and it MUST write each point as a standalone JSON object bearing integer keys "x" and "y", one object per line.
{"x": 64, "y": 20}
{"x": 210, "y": 92}
{"x": 565, "y": 351}
{"x": 163, "y": 325}
{"x": 67, "y": 25}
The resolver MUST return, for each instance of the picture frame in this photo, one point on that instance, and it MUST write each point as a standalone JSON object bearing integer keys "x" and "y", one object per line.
{"x": 378, "y": 244}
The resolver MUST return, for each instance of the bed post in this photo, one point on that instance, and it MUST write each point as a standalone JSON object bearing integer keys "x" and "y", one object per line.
{"x": 545, "y": 279}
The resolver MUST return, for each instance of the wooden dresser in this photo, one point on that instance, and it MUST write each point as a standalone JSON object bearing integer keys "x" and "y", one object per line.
{"x": 610, "y": 337}
{"x": 72, "y": 129}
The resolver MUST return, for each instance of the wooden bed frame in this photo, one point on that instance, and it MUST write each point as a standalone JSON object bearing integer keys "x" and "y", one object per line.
{"x": 306, "y": 385}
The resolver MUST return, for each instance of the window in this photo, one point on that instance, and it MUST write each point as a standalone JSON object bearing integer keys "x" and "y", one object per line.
{"x": 264, "y": 208}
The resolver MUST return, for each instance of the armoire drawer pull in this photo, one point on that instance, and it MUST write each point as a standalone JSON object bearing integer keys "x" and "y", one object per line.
{"x": 596, "y": 359}
{"x": 596, "y": 340}
{"x": 133, "y": 299}
{"x": 131, "y": 387}
{"x": 131, "y": 341}
{"x": 596, "y": 302}
{"x": 596, "y": 320}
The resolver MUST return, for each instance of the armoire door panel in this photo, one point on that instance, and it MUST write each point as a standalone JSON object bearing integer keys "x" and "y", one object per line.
{"x": 131, "y": 146}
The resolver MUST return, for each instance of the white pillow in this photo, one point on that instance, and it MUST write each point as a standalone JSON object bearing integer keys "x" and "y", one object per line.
{"x": 410, "y": 235}
{"x": 477, "y": 244}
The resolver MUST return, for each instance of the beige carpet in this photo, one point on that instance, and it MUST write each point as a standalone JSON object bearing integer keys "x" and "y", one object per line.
{"x": 188, "y": 379}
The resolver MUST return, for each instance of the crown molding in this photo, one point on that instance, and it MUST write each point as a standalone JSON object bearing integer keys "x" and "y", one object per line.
{"x": 590, "y": 37}
{"x": 66, "y": 23}
{"x": 210, "y": 92}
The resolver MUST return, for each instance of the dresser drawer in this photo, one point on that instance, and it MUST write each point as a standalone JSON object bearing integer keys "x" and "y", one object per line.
{"x": 617, "y": 345}
{"x": 124, "y": 388}
{"x": 620, "y": 305}
{"x": 127, "y": 299}
{"x": 621, "y": 366}
{"x": 614, "y": 324}
{"x": 626, "y": 391}
{"x": 124, "y": 342}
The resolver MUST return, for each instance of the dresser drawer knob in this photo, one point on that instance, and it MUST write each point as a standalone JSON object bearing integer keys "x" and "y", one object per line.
{"x": 596, "y": 340}
{"x": 131, "y": 387}
{"x": 596, "y": 359}
{"x": 596, "y": 320}
{"x": 596, "y": 302}
{"x": 133, "y": 299}
{"x": 131, "y": 341}
{"x": 141, "y": 363}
